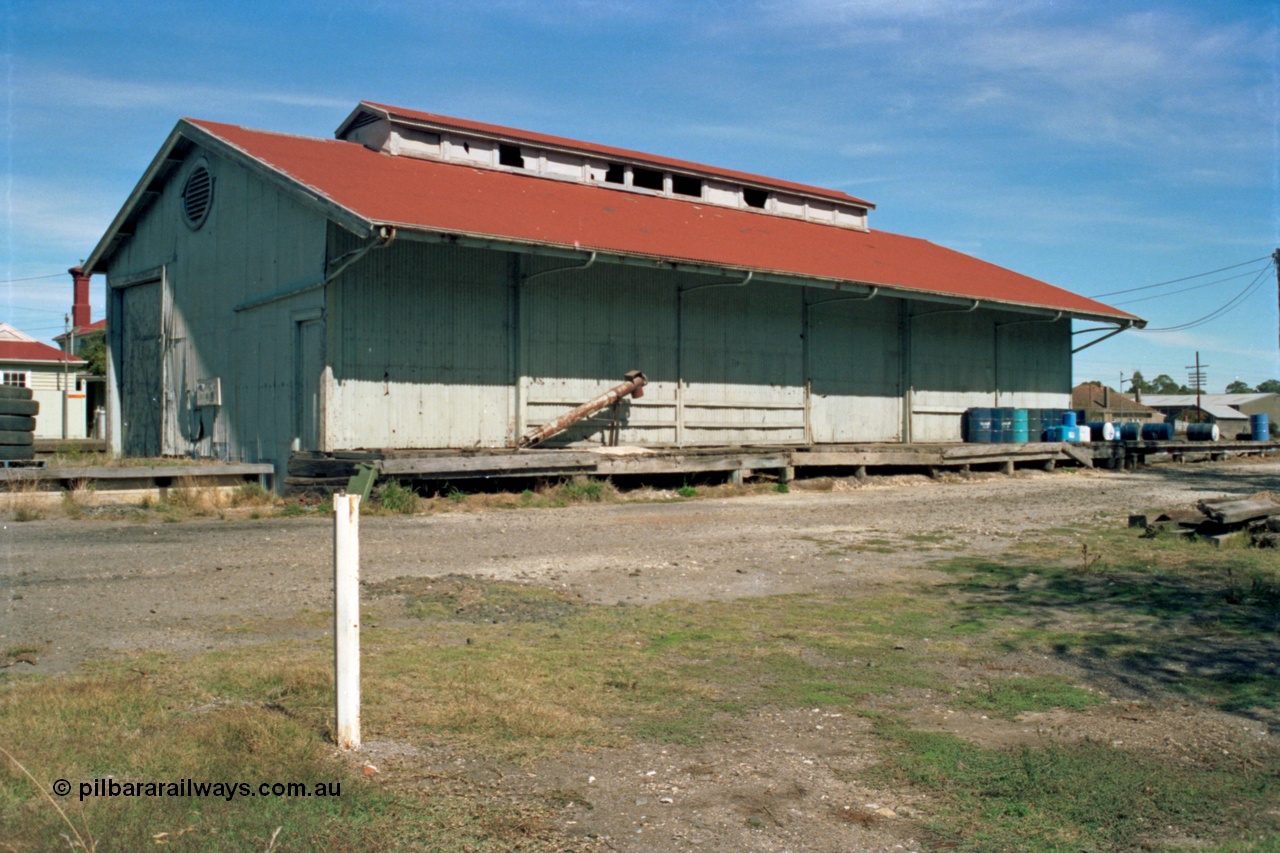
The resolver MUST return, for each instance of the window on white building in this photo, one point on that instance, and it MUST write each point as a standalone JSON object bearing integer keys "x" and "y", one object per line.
{"x": 20, "y": 379}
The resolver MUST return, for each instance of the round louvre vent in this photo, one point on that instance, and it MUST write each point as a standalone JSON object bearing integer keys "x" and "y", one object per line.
{"x": 197, "y": 196}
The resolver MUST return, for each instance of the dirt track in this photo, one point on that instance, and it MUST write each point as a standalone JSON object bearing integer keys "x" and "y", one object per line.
{"x": 98, "y": 586}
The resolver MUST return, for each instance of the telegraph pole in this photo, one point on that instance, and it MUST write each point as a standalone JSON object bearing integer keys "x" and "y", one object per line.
{"x": 66, "y": 390}
{"x": 1275, "y": 261}
{"x": 1197, "y": 380}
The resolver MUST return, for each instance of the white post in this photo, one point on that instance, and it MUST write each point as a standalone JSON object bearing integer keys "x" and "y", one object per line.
{"x": 346, "y": 617}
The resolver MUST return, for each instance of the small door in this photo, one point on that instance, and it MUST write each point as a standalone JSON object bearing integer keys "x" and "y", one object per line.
{"x": 142, "y": 369}
{"x": 308, "y": 360}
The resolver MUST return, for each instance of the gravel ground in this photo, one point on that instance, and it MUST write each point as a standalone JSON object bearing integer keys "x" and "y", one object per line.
{"x": 88, "y": 588}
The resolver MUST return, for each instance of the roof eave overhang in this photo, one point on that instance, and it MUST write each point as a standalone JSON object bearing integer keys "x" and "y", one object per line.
{"x": 183, "y": 136}
{"x": 143, "y": 194}
{"x": 580, "y": 252}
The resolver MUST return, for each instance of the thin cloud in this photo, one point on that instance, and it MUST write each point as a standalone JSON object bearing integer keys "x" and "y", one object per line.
{"x": 856, "y": 11}
{"x": 55, "y": 219}
{"x": 61, "y": 89}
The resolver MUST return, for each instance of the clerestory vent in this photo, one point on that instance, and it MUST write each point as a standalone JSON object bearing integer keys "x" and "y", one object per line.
{"x": 197, "y": 196}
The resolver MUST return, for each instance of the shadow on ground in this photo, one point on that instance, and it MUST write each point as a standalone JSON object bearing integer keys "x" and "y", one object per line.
{"x": 1208, "y": 633}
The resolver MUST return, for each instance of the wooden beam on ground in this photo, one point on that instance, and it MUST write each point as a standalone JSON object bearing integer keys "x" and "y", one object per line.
{"x": 1238, "y": 511}
{"x": 136, "y": 472}
{"x": 493, "y": 464}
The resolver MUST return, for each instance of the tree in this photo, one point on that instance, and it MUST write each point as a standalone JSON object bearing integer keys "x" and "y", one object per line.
{"x": 1165, "y": 384}
{"x": 1270, "y": 386}
{"x": 95, "y": 352}
{"x": 1139, "y": 385}
{"x": 1239, "y": 387}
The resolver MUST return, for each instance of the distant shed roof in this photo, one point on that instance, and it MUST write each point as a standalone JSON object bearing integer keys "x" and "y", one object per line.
{"x": 1210, "y": 404}
{"x": 1175, "y": 400}
{"x": 1088, "y": 396}
{"x": 361, "y": 188}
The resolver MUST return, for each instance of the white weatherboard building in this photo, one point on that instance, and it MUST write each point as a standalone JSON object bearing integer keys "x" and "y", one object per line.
{"x": 431, "y": 282}
{"x": 51, "y": 375}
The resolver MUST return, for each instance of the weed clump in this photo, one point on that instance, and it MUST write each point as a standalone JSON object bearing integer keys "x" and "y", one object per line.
{"x": 397, "y": 498}
{"x": 582, "y": 489}
{"x": 252, "y": 494}
{"x": 25, "y": 500}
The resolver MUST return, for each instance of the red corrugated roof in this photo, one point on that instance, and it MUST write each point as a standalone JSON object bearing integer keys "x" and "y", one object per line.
{"x": 34, "y": 351}
{"x": 81, "y": 331}
{"x": 451, "y": 198}
{"x": 611, "y": 153}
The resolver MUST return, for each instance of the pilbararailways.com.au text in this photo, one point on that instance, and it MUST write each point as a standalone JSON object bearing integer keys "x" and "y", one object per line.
{"x": 190, "y": 788}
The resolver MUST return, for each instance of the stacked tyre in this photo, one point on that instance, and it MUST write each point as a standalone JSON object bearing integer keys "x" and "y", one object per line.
{"x": 17, "y": 423}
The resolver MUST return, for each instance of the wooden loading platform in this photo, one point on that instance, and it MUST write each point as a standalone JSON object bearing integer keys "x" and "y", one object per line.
{"x": 326, "y": 472}
{"x": 136, "y": 477}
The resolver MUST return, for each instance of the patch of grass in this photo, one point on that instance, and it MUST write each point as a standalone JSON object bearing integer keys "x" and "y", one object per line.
{"x": 294, "y": 509}
{"x": 781, "y": 488}
{"x": 928, "y": 537}
{"x": 396, "y": 498}
{"x": 687, "y": 491}
{"x": 1166, "y": 615}
{"x": 25, "y": 500}
{"x": 188, "y": 499}
{"x": 252, "y": 495}
{"x": 74, "y": 499}
{"x": 1009, "y": 697}
{"x": 664, "y": 672}
{"x": 515, "y": 673}
{"x": 22, "y": 650}
{"x": 129, "y": 729}
{"x": 1057, "y": 798}
{"x": 582, "y": 489}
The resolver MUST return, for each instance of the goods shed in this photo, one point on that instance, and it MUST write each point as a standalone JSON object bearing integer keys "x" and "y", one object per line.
{"x": 422, "y": 282}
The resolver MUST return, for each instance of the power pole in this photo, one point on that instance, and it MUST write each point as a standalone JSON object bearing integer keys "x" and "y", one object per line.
{"x": 1275, "y": 261}
{"x": 66, "y": 390}
{"x": 1197, "y": 381}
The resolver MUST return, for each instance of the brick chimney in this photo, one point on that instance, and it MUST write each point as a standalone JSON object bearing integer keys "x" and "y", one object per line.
{"x": 80, "y": 301}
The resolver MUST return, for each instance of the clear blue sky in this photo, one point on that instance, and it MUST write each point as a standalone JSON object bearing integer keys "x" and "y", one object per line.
{"x": 1099, "y": 146}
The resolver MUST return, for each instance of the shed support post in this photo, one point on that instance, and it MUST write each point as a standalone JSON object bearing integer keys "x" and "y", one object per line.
{"x": 346, "y": 618}
{"x": 905, "y": 380}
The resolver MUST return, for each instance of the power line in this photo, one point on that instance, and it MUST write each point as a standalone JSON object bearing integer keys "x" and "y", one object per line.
{"x": 1177, "y": 280}
{"x": 33, "y": 278}
{"x": 1188, "y": 289}
{"x": 1232, "y": 303}
{"x": 38, "y": 310}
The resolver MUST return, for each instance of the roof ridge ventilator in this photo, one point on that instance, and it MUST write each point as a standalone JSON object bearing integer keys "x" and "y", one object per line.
{"x": 424, "y": 136}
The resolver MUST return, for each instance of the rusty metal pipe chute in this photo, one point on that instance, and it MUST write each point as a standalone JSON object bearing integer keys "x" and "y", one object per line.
{"x": 632, "y": 386}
